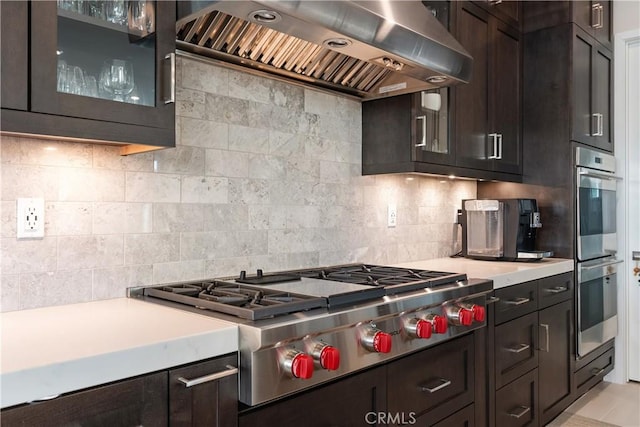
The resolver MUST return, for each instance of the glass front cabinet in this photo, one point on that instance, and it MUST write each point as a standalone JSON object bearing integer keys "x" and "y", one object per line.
{"x": 100, "y": 70}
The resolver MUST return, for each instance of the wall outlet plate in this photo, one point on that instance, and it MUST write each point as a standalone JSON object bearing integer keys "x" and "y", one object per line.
{"x": 30, "y": 214}
{"x": 392, "y": 215}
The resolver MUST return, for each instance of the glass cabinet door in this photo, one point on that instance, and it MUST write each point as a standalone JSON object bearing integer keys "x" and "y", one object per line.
{"x": 431, "y": 124}
{"x": 104, "y": 60}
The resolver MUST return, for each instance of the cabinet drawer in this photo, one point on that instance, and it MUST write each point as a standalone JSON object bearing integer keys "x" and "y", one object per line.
{"x": 438, "y": 379}
{"x": 515, "y": 348}
{"x": 595, "y": 371}
{"x": 465, "y": 417}
{"x": 516, "y": 301}
{"x": 517, "y": 403}
{"x": 210, "y": 402}
{"x": 555, "y": 289}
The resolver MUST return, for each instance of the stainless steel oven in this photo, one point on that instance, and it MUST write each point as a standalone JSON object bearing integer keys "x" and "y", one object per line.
{"x": 596, "y": 204}
{"x": 597, "y": 316}
{"x": 597, "y": 303}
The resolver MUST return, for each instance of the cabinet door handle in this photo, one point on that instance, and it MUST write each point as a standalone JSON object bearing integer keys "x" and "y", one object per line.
{"x": 545, "y": 328}
{"x": 172, "y": 79}
{"x": 597, "y": 16}
{"x": 519, "y": 412}
{"x": 597, "y": 124}
{"x": 442, "y": 384}
{"x": 518, "y": 348}
{"x": 494, "y": 2}
{"x": 499, "y": 156}
{"x": 556, "y": 290}
{"x": 423, "y": 143}
{"x": 494, "y": 136}
{"x": 231, "y": 370}
{"x": 517, "y": 301}
{"x": 492, "y": 300}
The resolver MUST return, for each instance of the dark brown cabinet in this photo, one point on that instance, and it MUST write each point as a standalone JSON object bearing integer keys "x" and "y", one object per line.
{"x": 568, "y": 100}
{"x": 531, "y": 352}
{"x": 487, "y": 110}
{"x": 594, "y": 17}
{"x": 89, "y": 75}
{"x": 475, "y": 131}
{"x": 139, "y": 401}
{"x": 509, "y": 11}
{"x": 203, "y": 393}
{"x": 354, "y": 401}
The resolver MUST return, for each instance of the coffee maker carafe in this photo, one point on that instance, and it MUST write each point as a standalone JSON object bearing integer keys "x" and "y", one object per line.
{"x": 501, "y": 229}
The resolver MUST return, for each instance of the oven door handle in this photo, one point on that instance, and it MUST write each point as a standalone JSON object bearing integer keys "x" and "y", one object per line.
{"x": 603, "y": 264}
{"x": 231, "y": 370}
{"x": 599, "y": 175}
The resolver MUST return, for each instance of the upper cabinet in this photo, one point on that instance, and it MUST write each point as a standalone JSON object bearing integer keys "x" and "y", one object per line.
{"x": 100, "y": 71}
{"x": 470, "y": 130}
{"x": 594, "y": 17}
{"x": 487, "y": 110}
{"x": 571, "y": 99}
{"x": 509, "y": 11}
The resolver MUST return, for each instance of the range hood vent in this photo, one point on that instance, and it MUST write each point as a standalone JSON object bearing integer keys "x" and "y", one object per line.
{"x": 368, "y": 49}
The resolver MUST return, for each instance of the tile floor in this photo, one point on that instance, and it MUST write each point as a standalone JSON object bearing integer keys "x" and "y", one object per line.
{"x": 607, "y": 404}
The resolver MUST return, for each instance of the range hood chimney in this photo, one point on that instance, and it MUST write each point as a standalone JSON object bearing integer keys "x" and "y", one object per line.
{"x": 368, "y": 49}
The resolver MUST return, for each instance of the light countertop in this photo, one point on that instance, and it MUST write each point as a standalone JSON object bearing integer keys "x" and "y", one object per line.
{"x": 503, "y": 273}
{"x": 53, "y": 350}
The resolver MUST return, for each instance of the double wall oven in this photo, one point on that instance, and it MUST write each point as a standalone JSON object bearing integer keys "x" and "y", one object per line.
{"x": 596, "y": 249}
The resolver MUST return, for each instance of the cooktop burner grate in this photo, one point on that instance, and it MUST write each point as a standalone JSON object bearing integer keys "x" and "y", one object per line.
{"x": 247, "y": 302}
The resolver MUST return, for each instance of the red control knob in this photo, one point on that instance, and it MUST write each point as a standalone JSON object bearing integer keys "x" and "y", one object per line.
{"x": 382, "y": 342}
{"x": 302, "y": 366}
{"x": 423, "y": 329}
{"x": 439, "y": 324}
{"x": 465, "y": 317}
{"x": 478, "y": 313}
{"x": 330, "y": 358}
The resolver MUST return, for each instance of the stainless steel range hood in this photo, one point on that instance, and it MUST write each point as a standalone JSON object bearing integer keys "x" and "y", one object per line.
{"x": 368, "y": 49}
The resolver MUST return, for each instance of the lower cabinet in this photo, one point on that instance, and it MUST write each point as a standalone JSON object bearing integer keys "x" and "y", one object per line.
{"x": 201, "y": 394}
{"x": 134, "y": 402}
{"x": 358, "y": 400}
{"x": 531, "y": 344}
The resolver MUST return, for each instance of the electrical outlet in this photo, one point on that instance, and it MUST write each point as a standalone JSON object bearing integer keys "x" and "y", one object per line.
{"x": 392, "y": 216}
{"x": 30, "y": 218}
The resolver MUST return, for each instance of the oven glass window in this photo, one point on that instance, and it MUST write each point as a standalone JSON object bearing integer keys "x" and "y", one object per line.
{"x": 597, "y": 211}
{"x": 597, "y": 301}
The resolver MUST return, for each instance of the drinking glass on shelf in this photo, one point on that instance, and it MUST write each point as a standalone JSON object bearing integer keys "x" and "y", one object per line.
{"x": 116, "y": 12}
{"x": 97, "y": 9}
{"x": 62, "y": 84}
{"x": 77, "y": 84}
{"x": 116, "y": 78}
{"x": 91, "y": 86}
{"x": 141, "y": 16}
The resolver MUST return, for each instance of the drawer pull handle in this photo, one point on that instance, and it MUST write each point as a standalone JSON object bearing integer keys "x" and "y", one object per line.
{"x": 443, "y": 383}
{"x": 519, "y": 412}
{"x": 518, "y": 349}
{"x": 231, "y": 370}
{"x": 597, "y": 371}
{"x": 556, "y": 290}
{"x": 492, "y": 300}
{"x": 517, "y": 301}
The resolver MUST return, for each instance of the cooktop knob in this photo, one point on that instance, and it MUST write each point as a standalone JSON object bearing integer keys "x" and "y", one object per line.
{"x": 460, "y": 315}
{"x": 327, "y": 356}
{"x": 376, "y": 340}
{"x": 478, "y": 313}
{"x": 419, "y": 328}
{"x": 438, "y": 323}
{"x": 297, "y": 364}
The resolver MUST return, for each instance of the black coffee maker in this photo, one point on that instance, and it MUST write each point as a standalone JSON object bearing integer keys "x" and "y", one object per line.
{"x": 501, "y": 229}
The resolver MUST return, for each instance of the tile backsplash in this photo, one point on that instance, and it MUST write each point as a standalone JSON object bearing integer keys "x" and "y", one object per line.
{"x": 265, "y": 175}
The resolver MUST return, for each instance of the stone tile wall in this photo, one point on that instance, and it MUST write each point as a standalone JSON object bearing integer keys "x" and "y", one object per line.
{"x": 265, "y": 175}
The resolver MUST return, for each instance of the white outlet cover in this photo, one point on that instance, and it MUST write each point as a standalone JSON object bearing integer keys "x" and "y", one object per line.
{"x": 30, "y": 216}
{"x": 392, "y": 215}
